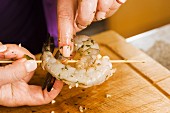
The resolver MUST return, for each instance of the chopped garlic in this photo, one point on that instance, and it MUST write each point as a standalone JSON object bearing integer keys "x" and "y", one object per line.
{"x": 108, "y": 95}
{"x": 52, "y": 111}
{"x": 106, "y": 57}
{"x": 81, "y": 109}
{"x": 99, "y": 56}
{"x": 53, "y": 101}
{"x": 52, "y": 89}
{"x": 77, "y": 84}
{"x": 70, "y": 87}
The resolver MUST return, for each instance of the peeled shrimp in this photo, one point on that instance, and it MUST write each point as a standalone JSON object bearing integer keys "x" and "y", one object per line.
{"x": 91, "y": 68}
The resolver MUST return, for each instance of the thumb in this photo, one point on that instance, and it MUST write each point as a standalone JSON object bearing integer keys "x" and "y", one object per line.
{"x": 16, "y": 71}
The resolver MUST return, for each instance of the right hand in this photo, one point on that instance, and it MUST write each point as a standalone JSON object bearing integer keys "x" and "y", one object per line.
{"x": 14, "y": 78}
{"x": 75, "y": 15}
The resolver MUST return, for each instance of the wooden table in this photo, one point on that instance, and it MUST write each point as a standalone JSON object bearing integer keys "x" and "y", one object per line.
{"x": 135, "y": 88}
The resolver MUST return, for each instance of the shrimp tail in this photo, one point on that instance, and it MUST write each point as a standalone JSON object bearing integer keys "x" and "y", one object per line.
{"x": 49, "y": 80}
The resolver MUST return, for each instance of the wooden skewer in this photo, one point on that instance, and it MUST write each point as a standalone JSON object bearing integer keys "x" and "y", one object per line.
{"x": 10, "y": 61}
{"x": 126, "y": 61}
{"x": 74, "y": 61}
{"x": 114, "y": 61}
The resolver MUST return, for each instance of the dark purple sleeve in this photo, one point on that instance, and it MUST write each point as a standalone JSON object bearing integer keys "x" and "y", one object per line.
{"x": 23, "y": 21}
{"x": 51, "y": 18}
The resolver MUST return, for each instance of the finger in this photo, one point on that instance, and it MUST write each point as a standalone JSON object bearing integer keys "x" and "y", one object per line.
{"x": 2, "y": 49}
{"x": 49, "y": 96}
{"x": 102, "y": 8}
{"x": 115, "y": 6}
{"x": 28, "y": 77}
{"x": 85, "y": 13}
{"x": 65, "y": 10}
{"x": 110, "y": 13}
{"x": 16, "y": 71}
{"x": 39, "y": 97}
{"x": 121, "y": 1}
{"x": 24, "y": 94}
{"x": 105, "y": 10}
{"x": 15, "y": 51}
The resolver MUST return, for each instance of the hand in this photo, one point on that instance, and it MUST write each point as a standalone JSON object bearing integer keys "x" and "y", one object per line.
{"x": 14, "y": 90}
{"x": 75, "y": 15}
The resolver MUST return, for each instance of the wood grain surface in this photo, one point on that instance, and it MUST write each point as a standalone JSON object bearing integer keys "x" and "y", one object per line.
{"x": 134, "y": 88}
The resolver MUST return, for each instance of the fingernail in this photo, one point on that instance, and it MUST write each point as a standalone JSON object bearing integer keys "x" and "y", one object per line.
{"x": 20, "y": 45}
{"x": 121, "y": 1}
{"x": 100, "y": 15}
{"x": 3, "y": 48}
{"x": 80, "y": 26}
{"x": 30, "y": 65}
{"x": 66, "y": 51}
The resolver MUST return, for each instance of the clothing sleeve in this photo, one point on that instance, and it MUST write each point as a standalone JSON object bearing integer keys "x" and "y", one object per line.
{"x": 51, "y": 17}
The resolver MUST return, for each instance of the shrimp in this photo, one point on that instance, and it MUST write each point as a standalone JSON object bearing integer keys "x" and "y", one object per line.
{"x": 91, "y": 68}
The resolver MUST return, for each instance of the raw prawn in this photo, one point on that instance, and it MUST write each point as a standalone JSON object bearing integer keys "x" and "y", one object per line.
{"x": 91, "y": 69}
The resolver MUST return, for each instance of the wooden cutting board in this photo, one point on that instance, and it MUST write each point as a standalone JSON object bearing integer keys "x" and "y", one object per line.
{"x": 134, "y": 88}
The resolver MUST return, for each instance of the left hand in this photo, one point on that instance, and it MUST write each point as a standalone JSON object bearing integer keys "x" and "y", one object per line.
{"x": 14, "y": 78}
{"x": 76, "y": 15}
